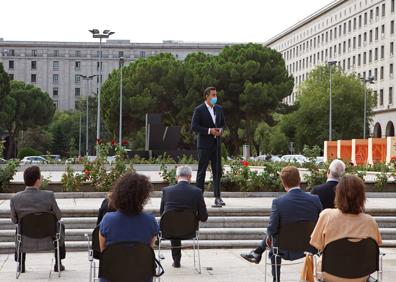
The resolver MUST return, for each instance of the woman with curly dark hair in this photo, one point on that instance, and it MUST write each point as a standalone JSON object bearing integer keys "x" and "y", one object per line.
{"x": 128, "y": 223}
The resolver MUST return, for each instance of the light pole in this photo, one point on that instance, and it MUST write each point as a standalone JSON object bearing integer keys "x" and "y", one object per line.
{"x": 79, "y": 139}
{"x": 120, "y": 130}
{"x": 369, "y": 80}
{"x": 330, "y": 63}
{"x": 96, "y": 34}
{"x": 88, "y": 78}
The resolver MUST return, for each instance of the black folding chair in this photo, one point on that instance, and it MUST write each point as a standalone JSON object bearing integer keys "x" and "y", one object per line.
{"x": 293, "y": 237}
{"x": 180, "y": 224}
{"x": 38, "y": 226}
{"x": 127, "y": 262}
{"x": 352, "y": 258}
{"x": 94, "y": 252}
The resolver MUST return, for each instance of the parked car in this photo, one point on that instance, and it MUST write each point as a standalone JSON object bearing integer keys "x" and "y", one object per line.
{"x": 269, "y": 158}
{"x": 52, "y": 158}
{"x": 34, "y": 160}
{"x": 2, "y": 161}
{"x": 319, "y": 160}
{"x": 294, "y": 158}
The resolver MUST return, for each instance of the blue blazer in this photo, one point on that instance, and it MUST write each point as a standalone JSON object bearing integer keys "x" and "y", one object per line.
{"x": 293, "y": 207}
{"x": 202, "y": 121}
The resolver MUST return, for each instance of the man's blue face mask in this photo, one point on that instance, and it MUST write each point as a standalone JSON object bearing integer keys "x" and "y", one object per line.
{"x": 213, "y": 100}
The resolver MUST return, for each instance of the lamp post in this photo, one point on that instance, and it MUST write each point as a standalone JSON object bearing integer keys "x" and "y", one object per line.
{"x": 96, "y": 34}
{"x": 79, "y": 139}
{"x": 87, "y": 78}
{"x": 369, "y": 80}
{"x": 120, "y": 130}
{"x": 330, "y": 63}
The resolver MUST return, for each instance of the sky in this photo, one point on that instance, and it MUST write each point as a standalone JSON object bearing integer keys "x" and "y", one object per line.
{"x": 152, "y": 20}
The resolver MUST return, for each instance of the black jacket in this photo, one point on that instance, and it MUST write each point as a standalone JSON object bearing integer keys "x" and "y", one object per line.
{"x": 326, "y": 193}
{"x": 202, "y": 121}
{"x": 184, "y": 195}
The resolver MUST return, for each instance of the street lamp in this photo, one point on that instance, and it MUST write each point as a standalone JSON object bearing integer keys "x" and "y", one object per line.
{"x": 88, "y": 78}
{"x": 120, "y": 131}
{"x": 96, "y": 34}
{"x": 330, "y": 63}
{"x": 369, "y": 80}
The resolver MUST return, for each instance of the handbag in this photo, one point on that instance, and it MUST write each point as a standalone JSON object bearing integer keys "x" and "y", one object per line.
{"x": 307, "y": 270}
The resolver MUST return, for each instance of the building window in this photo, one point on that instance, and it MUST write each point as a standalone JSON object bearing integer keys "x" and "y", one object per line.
{"x": 392, "y": 27}
{"x": 359, "y": 60}
{"x": 381, "y": 98}
{"x": 371, "y": 36}
{"x": 77, "y": 65}
{"x": 55, "y": 92}
{"x": 390, "y": 98}
{"x": 143, "y": 53}
{"x": 33, "y": 78}
{"x": 120, "y": 54}
{"x": 11, "y": 65}
{"x": 370, "y": 59}
{"x": 383, "y": 10}
{"x": 11, "y": 76}
{"x": 365, "y": 18}
{"x": 391, "y": 70}
{"x": 364, "y": 58}
{"x": 55, "y": 78}
{"x": 375, "y": 74}
{"x": 56, "y": 53}
{"x": 34, "y": 53}
{"x": 377, "y": 12}
{"x": 391, "y": 49}
{"x": 360, "y": 21}
{"x": 34, "y": 65}
{"x": 376, "y": 98}
{"x": 375, "y": 54}
{"x": 382, "y": 51}
{"x": 392, "y": 6}
{"x": 376, "y": 33}
{"x": 78, "y": 53}
{"x": 77, "y": 78}
{"x": 76, "y": 92}
{"x": 382, "y": 73}
{"x": 11, "y": 52}
{"x": 55, "y": 65}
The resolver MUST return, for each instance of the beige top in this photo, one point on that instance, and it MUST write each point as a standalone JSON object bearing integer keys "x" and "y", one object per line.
{"x": 333, "y": 225}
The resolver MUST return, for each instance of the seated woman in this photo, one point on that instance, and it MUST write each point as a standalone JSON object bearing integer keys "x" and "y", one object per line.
{"x": 105, "y": 208}
{"x": 129, "y": 223}
{"x": 346, "y": 220}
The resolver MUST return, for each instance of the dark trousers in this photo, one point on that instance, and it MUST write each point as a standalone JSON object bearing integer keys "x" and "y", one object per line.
{"x": 261, "y": 249}
{"x": 214, "y": 156}
{"x": 176, "y": 250}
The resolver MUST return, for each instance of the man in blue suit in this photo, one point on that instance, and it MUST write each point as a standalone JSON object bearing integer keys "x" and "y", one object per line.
{"x": 183, "y": 195}
{"x": 208, "y": 123}
{"x": 295, "y": 206}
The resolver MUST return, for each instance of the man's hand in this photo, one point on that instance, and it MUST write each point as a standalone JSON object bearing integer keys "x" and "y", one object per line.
{"x": 268, "y": 242}
{"x": 215, "y": 131}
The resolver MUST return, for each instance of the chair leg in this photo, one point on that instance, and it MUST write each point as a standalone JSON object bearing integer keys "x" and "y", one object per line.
{"x": 276, "y": 268}
{"x": 265, "y": 266}
{"x": 19, "y": 259}
{"x": 199, "y": 255}
{"x": 58, "y": 258}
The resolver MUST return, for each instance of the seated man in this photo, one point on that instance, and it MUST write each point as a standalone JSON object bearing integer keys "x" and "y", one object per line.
{"x": 293, "y": 207}
{"x": 326, "y": 191}
{"x": 186, "y": 196}
{"x": 33, "y": 200}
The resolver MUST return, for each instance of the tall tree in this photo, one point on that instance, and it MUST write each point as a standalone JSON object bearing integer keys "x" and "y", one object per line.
{"x": 4, "y": 82}
{"x": 26, "y": 106}
{"x": 311, "y": 120}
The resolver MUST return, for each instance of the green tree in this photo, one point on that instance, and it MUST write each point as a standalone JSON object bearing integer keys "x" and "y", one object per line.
{"x": 278, "y": 141}
{"x": 64, "y": 129}
{"x": 262, "y": 137}
{"x": 26, "y": 106}
{"x": 4, "y": 82}
{"x": 254, "y": 81}
{"x": 311, "y": 120}
{"x": 37, "y": 138}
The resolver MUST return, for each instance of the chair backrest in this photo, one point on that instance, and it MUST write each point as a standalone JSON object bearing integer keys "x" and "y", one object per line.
{"x": 38, "y": 225}
{"x": 127, "y": 262}
{"x": 95, "y": 243}
{"x": 348, "y": 258}
{"x": 295, "y": 237}
{"x": 179, "y": 224}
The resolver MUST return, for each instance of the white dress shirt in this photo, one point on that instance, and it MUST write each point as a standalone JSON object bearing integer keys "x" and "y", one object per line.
{"x": 212, "y": 114}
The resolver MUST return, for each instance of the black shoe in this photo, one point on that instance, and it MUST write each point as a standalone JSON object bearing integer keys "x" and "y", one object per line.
{"x": 23, "y": 268}
{"x": 62, "y": 268}
{"x": 252, "y": 257}
{"x": 176, "y": 264}
{"x": 221, "y": 202}
{"x": 217, "y": 203}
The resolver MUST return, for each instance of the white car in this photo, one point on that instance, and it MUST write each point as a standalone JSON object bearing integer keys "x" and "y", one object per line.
{"x": 34, "y": 160}
{"x": 294, "y": 158}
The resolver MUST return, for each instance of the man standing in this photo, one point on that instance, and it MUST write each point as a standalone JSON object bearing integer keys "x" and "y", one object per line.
{"x": 295, "y": 206}
{"x": 183, "y": 196}
{"x": 33, "y": 200}
{"x": 208, "y": 122}
{"x": 326, "y": 191}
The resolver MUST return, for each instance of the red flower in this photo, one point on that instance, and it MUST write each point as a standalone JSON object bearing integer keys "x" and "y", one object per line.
{"x": 113, "y": 142}
{"x": 393, "y": 158}
{"x": 245, "y": 163}
{"x": 86, "y": 172}
{"x": 124, "y": 142}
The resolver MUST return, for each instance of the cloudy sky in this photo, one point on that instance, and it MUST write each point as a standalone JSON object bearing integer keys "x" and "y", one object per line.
{"x": 152, "y": 20}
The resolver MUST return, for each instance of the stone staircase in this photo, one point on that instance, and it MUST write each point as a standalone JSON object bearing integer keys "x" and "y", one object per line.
{"x": 226, "y": 227}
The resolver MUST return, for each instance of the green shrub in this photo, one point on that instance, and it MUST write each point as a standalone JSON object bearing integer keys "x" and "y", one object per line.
{"x": 27, "y": 151}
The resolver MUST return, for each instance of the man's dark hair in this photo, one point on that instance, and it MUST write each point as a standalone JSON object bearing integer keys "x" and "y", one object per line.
{"x": 207, "y": 91}
{"x": 31, "y": 175}
{"x": 130, "y": 193}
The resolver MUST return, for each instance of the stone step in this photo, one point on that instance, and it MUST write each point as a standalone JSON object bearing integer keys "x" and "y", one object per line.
{"x": 8, "y": 247}
{"x": 205, "y": 234}
{"x": 213, "y": 222}
{"x": 225, "y": 211}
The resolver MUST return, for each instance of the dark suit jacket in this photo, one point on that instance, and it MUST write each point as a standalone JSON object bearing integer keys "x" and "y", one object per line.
{"x": 184, "y": 195}
{"x": 326, "y": 193}
{"x": 202, "y": 121}
{"x": 104, "y": 208}
{"x": 33, "y": 200}
{"x": 292, "y": 207}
